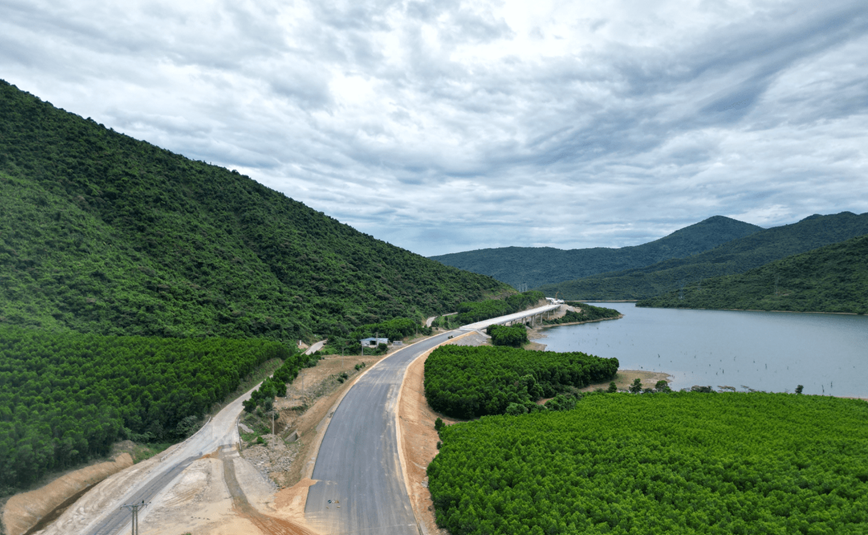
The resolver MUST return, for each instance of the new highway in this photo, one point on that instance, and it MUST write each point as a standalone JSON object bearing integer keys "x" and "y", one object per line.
{"x": 360, "y": 485}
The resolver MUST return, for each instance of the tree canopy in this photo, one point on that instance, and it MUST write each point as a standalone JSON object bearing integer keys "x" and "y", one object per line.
{"x": 468, "y": 382}
{"x": 830, "y": 279}
{"x": 103, "y": 233}
{"x": 659, "y": 463}
{"x": 65, "y": 398}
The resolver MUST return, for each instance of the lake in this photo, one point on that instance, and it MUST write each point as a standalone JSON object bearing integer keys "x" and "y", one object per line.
{"x": 770, "y": 351}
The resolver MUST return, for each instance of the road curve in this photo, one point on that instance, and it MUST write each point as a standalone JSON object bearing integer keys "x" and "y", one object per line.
{"x": 360, "y": 485}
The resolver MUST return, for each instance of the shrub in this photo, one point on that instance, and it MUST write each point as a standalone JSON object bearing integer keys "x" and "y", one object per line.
{"x": 514, "y": 335}
{"x": 438, "y": 424}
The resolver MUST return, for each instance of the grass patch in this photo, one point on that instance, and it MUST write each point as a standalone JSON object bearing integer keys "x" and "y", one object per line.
{"x": 143, "y": 452}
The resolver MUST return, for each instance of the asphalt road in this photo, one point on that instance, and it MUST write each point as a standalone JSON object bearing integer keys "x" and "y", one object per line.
{"x": 360, "y": 488}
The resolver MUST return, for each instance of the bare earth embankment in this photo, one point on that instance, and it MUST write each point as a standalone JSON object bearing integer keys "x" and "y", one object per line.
{"x": 37, "y": 508}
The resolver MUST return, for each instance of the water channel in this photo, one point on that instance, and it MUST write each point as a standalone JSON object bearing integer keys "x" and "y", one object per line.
{"x": 769, "y": 351}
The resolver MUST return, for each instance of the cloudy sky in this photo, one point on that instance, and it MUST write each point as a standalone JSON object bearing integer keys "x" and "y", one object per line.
{"x": 450, "y": 125}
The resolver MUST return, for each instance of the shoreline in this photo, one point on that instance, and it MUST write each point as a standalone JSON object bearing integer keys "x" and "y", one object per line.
{"x": 589, "y": 301}
{"x": 758, "y": 310}
{"x": 537, "y": 333}
{"x": 541, "y": 327}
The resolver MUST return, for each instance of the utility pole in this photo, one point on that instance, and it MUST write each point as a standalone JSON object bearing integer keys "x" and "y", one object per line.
{"x": 134, "y": 509}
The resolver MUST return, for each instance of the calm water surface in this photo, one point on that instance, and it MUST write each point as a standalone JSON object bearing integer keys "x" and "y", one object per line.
{"x": 771, "y": 351}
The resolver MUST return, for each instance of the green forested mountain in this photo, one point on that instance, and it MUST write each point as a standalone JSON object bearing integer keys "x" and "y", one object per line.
{"x": 737, "y": 256}
{"x": 538, "y": 266}
{"x": 830, "y": 279}
{"x": 102, "y": 233}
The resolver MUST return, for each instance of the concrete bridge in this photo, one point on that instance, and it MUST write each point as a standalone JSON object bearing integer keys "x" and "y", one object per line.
{"x": 530, "y": 317}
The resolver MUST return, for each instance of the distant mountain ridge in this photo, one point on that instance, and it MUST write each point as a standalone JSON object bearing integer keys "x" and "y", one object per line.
{"x": 102, "y": 233}
{"x": 737, "y": 256}
{"x": 833, "y": 278}
{"x": 539, "y": 266}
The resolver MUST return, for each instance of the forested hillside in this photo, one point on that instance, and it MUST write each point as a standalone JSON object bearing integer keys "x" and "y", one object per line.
{"x": 102, "y": 233}
{"x": 830, "y": 279}
{"x": 537, "y": 266}
{"x": 67, "y": 397}
{"x": 737, "y": 256}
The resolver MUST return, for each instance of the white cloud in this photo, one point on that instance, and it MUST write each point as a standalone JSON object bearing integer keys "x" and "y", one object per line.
{"x": 454, "y": 125}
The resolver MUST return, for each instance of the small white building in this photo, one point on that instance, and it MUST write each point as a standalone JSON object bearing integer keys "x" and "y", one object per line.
{"x": 373, "y": 342}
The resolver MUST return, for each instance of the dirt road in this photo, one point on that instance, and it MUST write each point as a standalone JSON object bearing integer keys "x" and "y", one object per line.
{"x": 99, "y": 511}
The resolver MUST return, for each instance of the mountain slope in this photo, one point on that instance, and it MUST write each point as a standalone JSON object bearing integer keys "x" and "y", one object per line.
{"x": 829, "y": 279}
{"x": 537, "y": 266}
{"x": 737, "y": 256}
{"x": 106, "y": 234}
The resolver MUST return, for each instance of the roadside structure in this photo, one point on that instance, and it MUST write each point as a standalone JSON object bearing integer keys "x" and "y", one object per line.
{"x": 374, "y": 342}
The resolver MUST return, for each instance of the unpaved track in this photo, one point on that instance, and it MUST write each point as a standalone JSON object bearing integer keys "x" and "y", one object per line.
{"x": 99, "y": 511}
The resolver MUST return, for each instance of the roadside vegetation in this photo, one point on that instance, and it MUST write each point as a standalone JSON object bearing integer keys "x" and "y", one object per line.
{"x": 468, "y": 382}
{"x": 513, "y": 335}
{"x": 659, "y": 463}
{"x": 275, "y": 385}
{"x": 830, "y": 279}
{"x": 588, "y": 313}
{"x": 397, "y": 329}
{"x": 66, "y": 398}
{"x": 473, "y": 311}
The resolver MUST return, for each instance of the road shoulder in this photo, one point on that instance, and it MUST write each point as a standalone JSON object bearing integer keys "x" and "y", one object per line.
{"x": 417, "y": 439}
